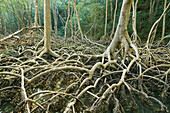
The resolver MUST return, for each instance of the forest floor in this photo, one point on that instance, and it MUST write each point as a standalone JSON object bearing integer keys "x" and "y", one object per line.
{"x": 78, "y": 80}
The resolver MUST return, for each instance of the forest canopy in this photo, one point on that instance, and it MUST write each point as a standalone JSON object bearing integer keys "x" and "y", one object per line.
{"x": 84, "y": 56}
{"x": 14, "y": 13}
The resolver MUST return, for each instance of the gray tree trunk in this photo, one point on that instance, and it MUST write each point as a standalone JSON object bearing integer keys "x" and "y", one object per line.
{"x": 121, "y": 35}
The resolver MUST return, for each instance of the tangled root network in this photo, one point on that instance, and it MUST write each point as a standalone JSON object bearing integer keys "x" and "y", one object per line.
{"x": 83, "y": 80}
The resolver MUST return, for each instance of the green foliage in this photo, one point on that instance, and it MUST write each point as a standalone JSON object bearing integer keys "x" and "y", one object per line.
{"x": 91, "y": 14}
{"x": 58, "y": 3}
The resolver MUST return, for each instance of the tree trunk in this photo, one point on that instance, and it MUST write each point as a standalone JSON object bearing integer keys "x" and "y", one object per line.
{"x": 163, "y": 28}
{"x": 2, "y": 23}
{"x": 16, "y": 15}
{"x": 105, "y": 31}
{"x": 121, "y": 35}
{"x": 47, "y": 25}
{"x": 35, "y": 21}
{"x": 11, "y": 21}
{"x": 152, "y": 4}
{"x": 29, "y": 17}
{"x": 72, "y": 30}
{"x": 39, "y": 16}
{"x": 47, "y": 30}
{"x": 111, "y": 5}
{"x": 95, "y": 25}
{"x": 78, "y": 20}
{"x": 75, "y": 24}
{"x": 134, "y": 6}
{"x": 36, "y": 13}
{"x": 55, "y": 19}
{"x": 17, "y": 9}
{"x": 114, "y": 19}
{"x": 67, "y": 21}
{"x": 5, "y": 27}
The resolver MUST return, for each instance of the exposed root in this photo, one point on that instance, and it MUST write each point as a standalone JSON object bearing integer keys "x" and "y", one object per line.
{"x": 14, "y": 35}
{"x": 78, "y": 82}
{"x": 77, "y": 79}
{"x": 49, "y": 51}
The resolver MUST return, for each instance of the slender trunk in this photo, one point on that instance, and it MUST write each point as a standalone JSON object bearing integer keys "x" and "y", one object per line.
{"x": 72, "y": 30}
{"x": 35, "y": 21}
{"x": 75, "y": 24}
{"x": 39, "y": 16}
{"x": 16, "y": 15}
{"x": 65, "y": 12}
{"x": 150, "y": 12}
{"x": 163, "y": 27}
{"x": 5, "y": 27}
{"x": 67, "y": 21}
{"x": 12, "y": 24}
{"x": 111, "y": 5}
{"x": 36, "y": 13}
{"x": 29, "y": 18}
{"x": 55, "y": 19}
{"x": 11, "y": 21}
{"x": 47, "y": 25}
{"x": 105, "y": 31}
{"x": 114, "y": 19}
{"x": 2, "y": 23}
{"x": 156, "y": 6}
{"x": 152, "y": 4}
{"x": 154, "y": 27}
{"x": 78, "y": 20}
{"x": 27, "y": 11}
{"x": 134, "y": 6}
{"x": 95, "y": 26}
{"x": 24, "y": 13}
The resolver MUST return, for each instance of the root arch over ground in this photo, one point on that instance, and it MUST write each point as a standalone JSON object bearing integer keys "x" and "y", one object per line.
{"x": 77, "y": 82}
{"x": 86, "y": 78}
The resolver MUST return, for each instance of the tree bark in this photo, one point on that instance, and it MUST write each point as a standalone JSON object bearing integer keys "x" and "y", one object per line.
{"x": 163, "y": 28}
{"x": 78, "y": 20}
{"x": 72, "y": 30}
{"x": 47, "y": 30}
{"x": 39, "y": 16}
{"x": 134, "y": 6}
{"x": 55, "y": 19}
{"x": 114, "y": 19}
{"x": 67, "y": 21}
{"x": 152, "y": 4}
{"x": 121, "y": 35}
{"x": 11, "y": 21}
{"x": 29, "y": 17}
{"x": 111, "y": 5}
{"x": 18, "y": 18}
{"x": 105, "y": 30}
{"x": 35, "y": 21}
{"x": 47, "y": 24}
{"x": 75, "y": 24}
{"x": 2, "y": 23}
{"x": 36, "y": 13}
